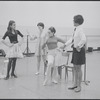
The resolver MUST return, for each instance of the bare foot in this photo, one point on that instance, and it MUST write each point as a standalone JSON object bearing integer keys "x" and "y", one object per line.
{"x": 45, "y": 82}
{"x": 37, "y": 73}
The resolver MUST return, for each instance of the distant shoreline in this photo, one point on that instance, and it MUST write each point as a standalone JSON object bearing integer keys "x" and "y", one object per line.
{"x": 64, "y": 31}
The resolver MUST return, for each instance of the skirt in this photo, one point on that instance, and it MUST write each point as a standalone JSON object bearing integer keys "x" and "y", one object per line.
{"x": 14, "y": 52}
{"x": 78, "y": 58}
{"x": 55, "y": 57}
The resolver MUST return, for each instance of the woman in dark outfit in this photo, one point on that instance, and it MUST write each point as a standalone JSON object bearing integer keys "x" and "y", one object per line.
{"x": 14, "y": 51}
{"x": 78, "y": 41}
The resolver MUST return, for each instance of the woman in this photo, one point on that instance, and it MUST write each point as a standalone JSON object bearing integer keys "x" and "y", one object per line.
{"x": 78, "y": 57}
{"x": 51, "y": 43}
{"x": 14, "y": 51}
{"x": 39, "y": 52}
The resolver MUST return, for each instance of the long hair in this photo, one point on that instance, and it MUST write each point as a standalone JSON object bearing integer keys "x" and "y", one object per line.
{"x": 9, "y": 25}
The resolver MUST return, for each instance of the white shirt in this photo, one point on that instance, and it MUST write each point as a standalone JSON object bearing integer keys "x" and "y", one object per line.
{"x": 79, "y": 38}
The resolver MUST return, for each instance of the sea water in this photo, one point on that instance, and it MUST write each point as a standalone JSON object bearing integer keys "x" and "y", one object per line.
{"x": 92, "y": 34}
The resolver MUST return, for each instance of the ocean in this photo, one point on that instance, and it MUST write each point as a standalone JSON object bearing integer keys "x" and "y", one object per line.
{"x": 92, "y": 34}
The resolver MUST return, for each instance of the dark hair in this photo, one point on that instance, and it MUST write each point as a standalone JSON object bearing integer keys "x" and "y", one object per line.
{"x": 41, "y": 24}
{"x": 52, "y": 29}
{"x": 10, "y": 23}
{"x": 78, "y": 19}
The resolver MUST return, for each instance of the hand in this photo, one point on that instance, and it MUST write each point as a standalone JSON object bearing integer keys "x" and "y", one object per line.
{"x": 11, "y": 44}
{"x": 62, "y": 47}
{"x": 78, "y": 49}
{"x": 19, "y": 43}
{"x": 59, "y": 49}
{"x": 33, "y": 37}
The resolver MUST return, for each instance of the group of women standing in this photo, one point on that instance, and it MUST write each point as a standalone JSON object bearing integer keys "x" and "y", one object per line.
{"x": 47, "y": 48}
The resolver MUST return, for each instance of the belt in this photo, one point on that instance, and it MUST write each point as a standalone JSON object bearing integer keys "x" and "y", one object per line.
{"x": 14, "y": 42}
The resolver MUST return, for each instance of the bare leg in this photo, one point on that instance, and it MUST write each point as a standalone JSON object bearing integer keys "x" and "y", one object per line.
{"x": 38, "y": 64}
{"x": 75, "y": 75}
{"x": 50, "y": 65}
{"x": 75, "y": 78}
{"x": 79, "y": 78}
{"x": 48, "y": 74}
{"x": 79, "y": 75}
{"x": 54, "y": 75}
{"x": 45, "y": 63}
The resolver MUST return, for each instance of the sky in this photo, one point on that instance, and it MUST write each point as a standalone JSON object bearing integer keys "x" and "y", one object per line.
{"x": 51, "y": 13}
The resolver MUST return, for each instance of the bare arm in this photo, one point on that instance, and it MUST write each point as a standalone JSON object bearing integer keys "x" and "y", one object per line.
{"x": 6, "y": 43}
{"x": 21, "y": 41}
{"x": 67, "y": 43}
{"x": 33, "y": 37}
{"x": 22, "y": 38}
{"x": 60, "y": 40}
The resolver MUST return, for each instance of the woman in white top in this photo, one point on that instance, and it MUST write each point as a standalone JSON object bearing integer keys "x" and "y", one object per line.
{"x": 39, "y": 52}
{"x": 78, "y": 41}
{"x": 52, "y": 58}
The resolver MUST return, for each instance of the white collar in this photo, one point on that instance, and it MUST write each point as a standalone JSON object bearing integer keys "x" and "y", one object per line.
{"x": 78, "y": 27}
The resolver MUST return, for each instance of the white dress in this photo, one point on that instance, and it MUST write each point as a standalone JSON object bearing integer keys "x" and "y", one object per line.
{"x": 40, "y": 40}
{"x": 14, "y": 52}
{"x": 55, "y": 57}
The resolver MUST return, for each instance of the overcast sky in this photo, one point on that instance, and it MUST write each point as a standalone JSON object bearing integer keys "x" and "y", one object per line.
{"x": 52, "y": 13}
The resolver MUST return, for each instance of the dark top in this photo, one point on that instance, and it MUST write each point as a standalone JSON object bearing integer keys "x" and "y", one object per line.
{"x": 12, "y": 37}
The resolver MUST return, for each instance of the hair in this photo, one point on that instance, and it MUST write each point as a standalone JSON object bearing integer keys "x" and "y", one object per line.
{"x": 10, "y": 23}
{"x": 52, "y": 29}
{"x": 79, "y": 19}
{"x": 40, "y": 24}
